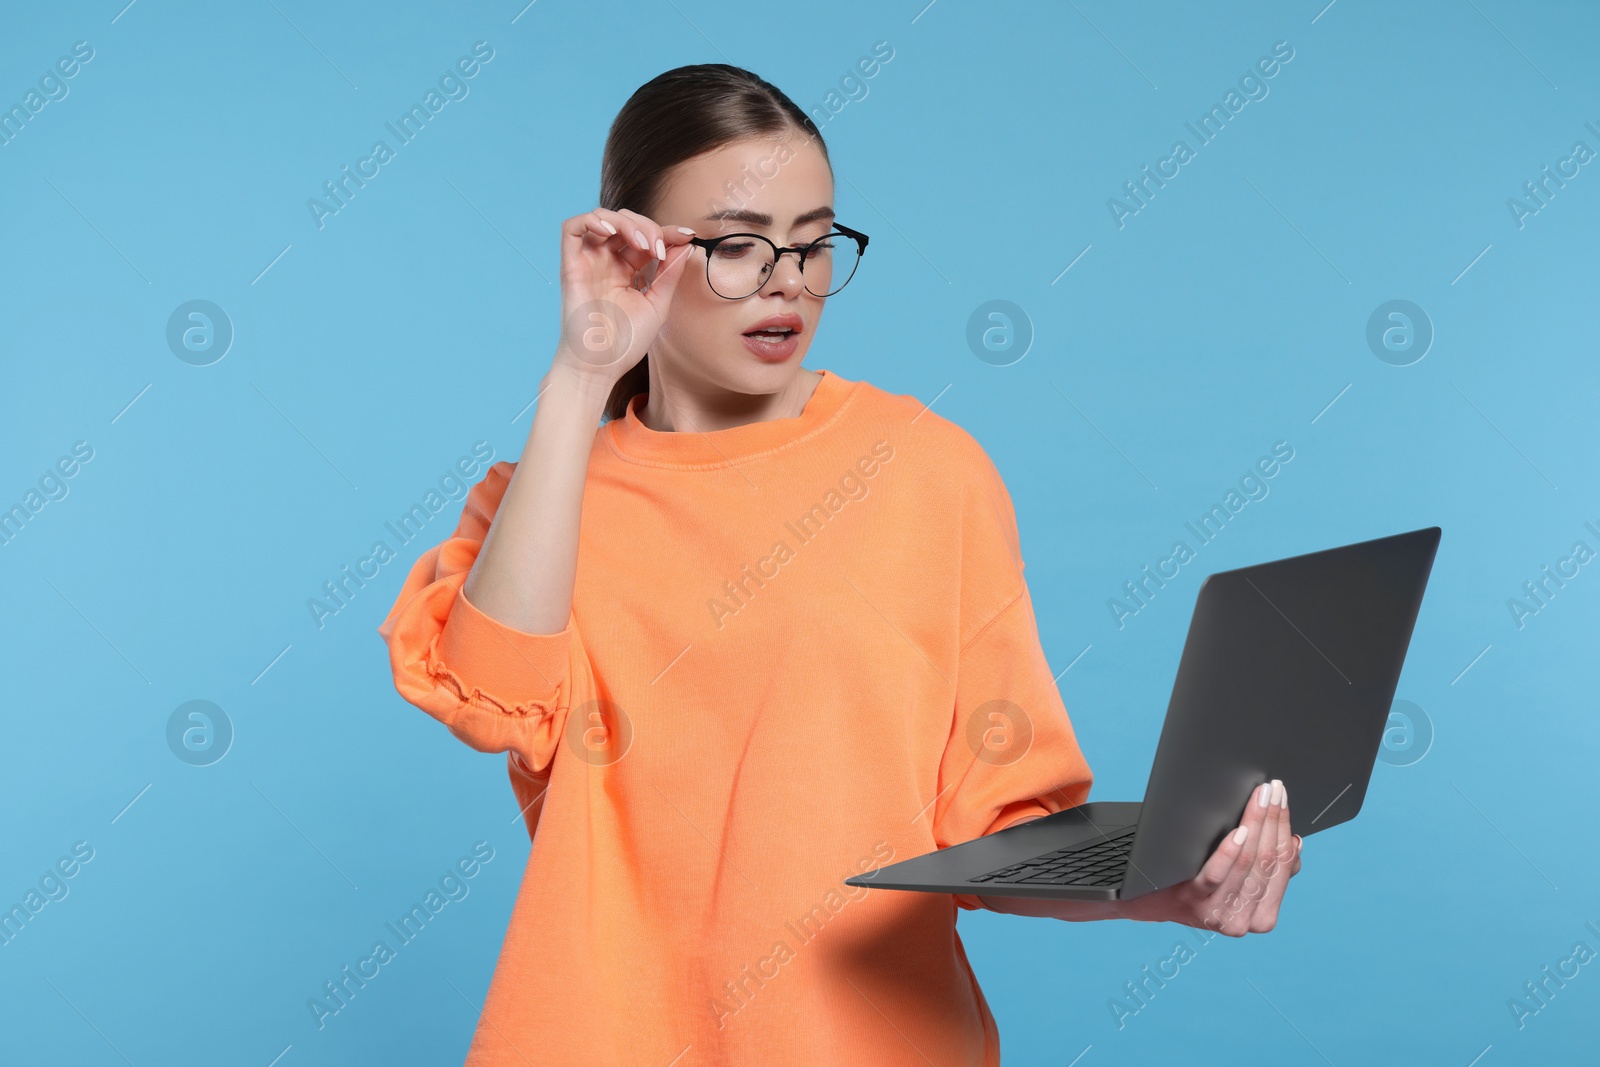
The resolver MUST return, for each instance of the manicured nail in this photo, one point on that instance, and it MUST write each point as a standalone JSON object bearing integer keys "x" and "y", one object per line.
{"x": 1263, "y": 795}
{"x": 1277, "y": 792}
{"x": 1283, "y": 796}
{"x": 1240, "y": 834}
{"x": 609, "y": 228}
{"x": 641, "y": 240}
{"x": 661, "y": 249}
{"x": 685, "y": 229}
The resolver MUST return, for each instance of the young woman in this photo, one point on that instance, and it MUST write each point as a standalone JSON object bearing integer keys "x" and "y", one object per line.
{"x": 765, "y": 629}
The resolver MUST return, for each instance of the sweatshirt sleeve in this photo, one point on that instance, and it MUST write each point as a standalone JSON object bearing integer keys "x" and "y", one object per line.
{"x": 1011, "y": 751}
{"x": 494, "y": 687}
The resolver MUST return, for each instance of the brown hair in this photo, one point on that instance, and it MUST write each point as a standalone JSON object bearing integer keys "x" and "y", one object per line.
{"x": 674, "y": 117}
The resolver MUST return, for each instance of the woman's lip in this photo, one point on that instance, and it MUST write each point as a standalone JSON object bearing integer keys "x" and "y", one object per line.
{"x": 772, "y": 351}
{"x": 790, "y": 321}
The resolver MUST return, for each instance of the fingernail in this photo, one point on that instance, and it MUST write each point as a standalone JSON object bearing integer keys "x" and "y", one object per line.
{"x": 609, "y": 228}
{"x": 1263, "y": 795}
{"x": 685, "y": 229}
{"x": 1277, "y": 792}
{"x": 661, "y": 249}
{"x": 1240, "y": 834}
{"x": 641, "y": 240}
{"x": 1283, "y": 795}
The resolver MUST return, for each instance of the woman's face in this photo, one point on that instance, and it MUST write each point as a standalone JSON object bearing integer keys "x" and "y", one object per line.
{"x": 780, "y": 187}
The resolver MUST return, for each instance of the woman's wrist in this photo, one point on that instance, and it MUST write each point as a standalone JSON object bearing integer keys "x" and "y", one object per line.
{"x": 587, "y": 388}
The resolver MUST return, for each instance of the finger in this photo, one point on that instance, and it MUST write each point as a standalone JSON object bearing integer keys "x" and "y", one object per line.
{"x": 665, "y": 281}
{"x": 1224, "y": 902}
{"x": 643, "y": 233}
{"x": 604, "y": 228}
{"x": 591, "y": 224}
{"x": 1271, "y": 855}
{"x": 1299, "y": 844}
{"x": 1275, "y": 868}
{"x": 636, "y": 236}
{"x": 1216, "y": 868}
{"x": 663, "y": 238}
{"x": 1254, "y": 878}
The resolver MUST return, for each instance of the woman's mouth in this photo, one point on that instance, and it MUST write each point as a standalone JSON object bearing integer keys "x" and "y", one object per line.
{"x": 775, "y": 339}
{"x": 773, "y": 345}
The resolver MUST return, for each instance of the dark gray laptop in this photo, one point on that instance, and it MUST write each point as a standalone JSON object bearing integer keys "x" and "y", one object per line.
{"x": 1288, "y": 672}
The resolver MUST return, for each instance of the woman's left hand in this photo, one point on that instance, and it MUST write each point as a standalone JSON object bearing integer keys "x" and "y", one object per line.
{"x": 1241, "y": 886}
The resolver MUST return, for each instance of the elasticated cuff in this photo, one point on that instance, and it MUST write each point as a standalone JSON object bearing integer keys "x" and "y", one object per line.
{"x": 510, "y": 667}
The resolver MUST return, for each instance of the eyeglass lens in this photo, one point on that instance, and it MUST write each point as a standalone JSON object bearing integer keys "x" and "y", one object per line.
{"x": 740, "y": 266}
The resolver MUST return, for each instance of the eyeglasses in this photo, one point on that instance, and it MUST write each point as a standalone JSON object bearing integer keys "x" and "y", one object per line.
{"x": 738, "y": 266}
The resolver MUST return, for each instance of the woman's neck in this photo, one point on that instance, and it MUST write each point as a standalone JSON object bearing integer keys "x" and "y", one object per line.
{"x": 675, "y": 405}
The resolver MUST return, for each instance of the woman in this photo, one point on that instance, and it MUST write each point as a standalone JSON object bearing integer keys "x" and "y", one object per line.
{"x": 788, "y": 642}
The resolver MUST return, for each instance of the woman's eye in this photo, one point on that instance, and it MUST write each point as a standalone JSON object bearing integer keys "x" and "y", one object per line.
{"x": 734, "y": 249}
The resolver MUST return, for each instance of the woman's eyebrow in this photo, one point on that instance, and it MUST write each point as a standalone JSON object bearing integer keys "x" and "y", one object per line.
{"x": 759, "y": 218}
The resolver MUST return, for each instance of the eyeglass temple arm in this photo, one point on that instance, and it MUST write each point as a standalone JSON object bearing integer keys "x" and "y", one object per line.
{"x": 857, "y": 234}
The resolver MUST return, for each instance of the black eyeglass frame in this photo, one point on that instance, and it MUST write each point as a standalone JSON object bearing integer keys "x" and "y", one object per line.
{"x": 710, "y": 245}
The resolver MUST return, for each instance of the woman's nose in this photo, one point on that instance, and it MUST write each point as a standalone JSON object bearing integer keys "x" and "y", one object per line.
{"x": 786, "y": 274}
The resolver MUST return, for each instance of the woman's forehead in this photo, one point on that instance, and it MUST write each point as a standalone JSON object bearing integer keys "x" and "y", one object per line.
{"x": 783, "y": 179}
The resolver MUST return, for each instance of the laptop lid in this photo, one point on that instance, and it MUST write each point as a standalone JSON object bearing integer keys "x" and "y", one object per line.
{"x": 1288, "y": 672}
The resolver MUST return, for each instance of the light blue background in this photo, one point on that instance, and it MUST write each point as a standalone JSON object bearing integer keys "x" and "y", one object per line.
{"x": 1226, "y": 315}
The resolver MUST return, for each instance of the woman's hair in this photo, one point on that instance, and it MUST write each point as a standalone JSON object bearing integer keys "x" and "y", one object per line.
{"x": 674, "y": 117}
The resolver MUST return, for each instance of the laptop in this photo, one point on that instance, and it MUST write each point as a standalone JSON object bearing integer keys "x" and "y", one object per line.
{"x": 1288, "y": 672}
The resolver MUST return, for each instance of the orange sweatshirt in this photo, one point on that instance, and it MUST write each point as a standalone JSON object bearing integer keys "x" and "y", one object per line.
{"x": 798, "y": 650}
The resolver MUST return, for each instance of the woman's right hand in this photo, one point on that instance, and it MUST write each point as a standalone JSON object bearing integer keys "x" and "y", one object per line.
{"x": 619, "y": 270}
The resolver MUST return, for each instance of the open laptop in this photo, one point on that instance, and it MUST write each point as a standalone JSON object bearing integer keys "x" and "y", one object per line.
{"x": 1288, "y": 672}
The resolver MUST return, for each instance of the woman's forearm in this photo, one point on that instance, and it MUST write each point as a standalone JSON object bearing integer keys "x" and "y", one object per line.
{"x": 527, "y": 566}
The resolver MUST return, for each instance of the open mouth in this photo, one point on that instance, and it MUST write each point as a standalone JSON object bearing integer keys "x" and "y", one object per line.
{"x": 776, "y": 338}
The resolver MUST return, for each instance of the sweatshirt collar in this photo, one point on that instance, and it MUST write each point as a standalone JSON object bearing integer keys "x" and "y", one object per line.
{"x": 631, "y": 439}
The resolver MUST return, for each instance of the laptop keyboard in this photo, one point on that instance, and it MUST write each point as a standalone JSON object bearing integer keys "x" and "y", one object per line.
{"x": 1097, "y": 864}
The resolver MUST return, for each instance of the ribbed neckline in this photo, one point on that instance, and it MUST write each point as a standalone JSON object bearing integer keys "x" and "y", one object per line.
{"x": 631, "y": 439}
